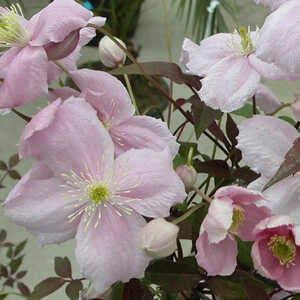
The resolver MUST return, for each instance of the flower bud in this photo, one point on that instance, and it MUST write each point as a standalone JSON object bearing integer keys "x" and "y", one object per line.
{"x": 56, "y": 51}
{"x": 110, "y": 53}
{"x": 296, "y": 108}
{"x": 188, "y": 175}
{"x": 158, "y": 238}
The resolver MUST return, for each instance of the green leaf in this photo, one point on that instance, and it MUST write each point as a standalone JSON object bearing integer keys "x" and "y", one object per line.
{"x": 3, "y": 296}
{"x": 9, "y": 252}
{"x": 3, "y": 165}
{"x": 117, "y": 291}
{"x": 288, "y": 119}
{"x": 14, "y": 174}
{"x": 203, "y": 116}
{"x": 73, "y": 289}
{"x": 3, "y": 235}
{"x": 20, "y": 247}
{"x": 178, "y": 161}
{"x": 13, "y": 160}
{"x": 46, "y": 287}
{"x": 246, "y": 111}
{"x": 244, "y": 253}
{"x": 63, "y": 267}
{"x": 15, "y": 264}
{"x": 173, "y": 277}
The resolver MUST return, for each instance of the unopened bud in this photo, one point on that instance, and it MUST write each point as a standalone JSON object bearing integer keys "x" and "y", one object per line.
{"x": 56, "y": 51}
{"x": 110, "y": 53}
{"x": 158, "y": 238}
{"x": 296, "y": 108}
{"x": 188, "y": 175}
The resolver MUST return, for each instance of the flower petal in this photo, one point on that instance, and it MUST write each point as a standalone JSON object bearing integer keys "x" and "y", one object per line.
{"x": 266, "y": 100}
{"x": 68, "y": 137}
{"x": 6, "y": 59}
{"x": 219, "y": 258}
{"x": 148, "y": 133}
{"x": 198, "y": 59}
{"x": 56, "y": 21}
{"x": 39, "y": 204}
{"x": 284, "y": 198}
{"x": 62, "y": 93}
{"x": 106, "y": 94}
{"x": 264, "y": 142}
{"x": 278, "y": 38}
{"x": 218, "y": 220}
{"x": 273, "y": 4}
{"x": 111, "y": 252}
{"x": 138, "y": 177}
{"x": 229, "y": 84}
{"x": 29, "y": 67}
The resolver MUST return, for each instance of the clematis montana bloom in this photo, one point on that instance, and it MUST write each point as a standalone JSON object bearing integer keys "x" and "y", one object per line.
{"x": 278, "y": 38}
{"x": 76, "y": 188}
{"x": 230, "y": 68}
{"x": 273, "y": 4}
{"x": 232, "y": 212}
{"x": 276, "y": 251}
{"x": 264, "y": 142}
{"x": 115, "y": 110}
{"x": 52, "y": 34}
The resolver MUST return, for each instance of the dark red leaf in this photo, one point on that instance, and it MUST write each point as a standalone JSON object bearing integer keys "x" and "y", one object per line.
{"x": 14, "y": 174}
{"x": 21, "y": 274}
{"x": 73, "y": 289}
{"x": 215, "y": 168}
{"x": 161, "y": 68}
{"x": 232, "y": 130}
{"x": 245, "y": 174}
{"x": 13, "y": 160}
{"x": 47, "y": 287}
{"x": 3, "y": 271}
{"x": 3, "y": 235}
{"x": 9, "y": 282}
{"x": 3, "y": 165}
{"x": 24, "y": 289}
{"x": 218, "y": 133}
{"x": 179, "y": 103}
{"x": 290, "y": 166}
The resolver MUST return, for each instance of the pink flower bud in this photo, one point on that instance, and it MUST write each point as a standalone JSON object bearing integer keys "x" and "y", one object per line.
{"x": 188, "y": 175}
{"x": 296, "y": 108}
{"x": 111, "y": 54}
{"x": 158, "y": 238}
{"x": 56, "y": 51}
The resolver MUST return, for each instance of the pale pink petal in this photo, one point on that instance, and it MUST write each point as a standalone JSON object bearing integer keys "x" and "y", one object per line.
{"x": 143, "y": 132}
{"x": 284, "y": 198}
{"x": 273, "y": 4}
{"x": 69, "y": 62}
{"x": 198, "y": 59}
{"x": 106, "y": 94}
{"x": 216, "y": 259}
{"x": 268, "y": 70}
{"x": 39, "y": 204}
{"x": 111, "y": 252}
{"x": 6, "y": 59}
{"x": 229, "y": 84}
{"x": 99, "y": 21}
{"x": 57, "y": 21}
{"x": 266, "y": 100}
{"x": 253, "y": 215}
{"x": 146, "y": 181}
{"x": 279, "y": 38}
{"x": 62, "y": 93}
{"x": 218, "y": 220}
{"x": 264, "y": 142}
{"x": 67, "y": 137}
{"x": 28, "y": 68}
{"x": 289, "y": 280}
{"x": 239, "y": 195}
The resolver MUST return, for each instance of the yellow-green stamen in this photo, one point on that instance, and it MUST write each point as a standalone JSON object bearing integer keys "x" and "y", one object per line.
{"x": 238, "y": 219}
{"x": 98, "y": 193}
{"x": 12, "y": 31}
{"x": 283, "y": 249}
{"x": 246, "y": 41}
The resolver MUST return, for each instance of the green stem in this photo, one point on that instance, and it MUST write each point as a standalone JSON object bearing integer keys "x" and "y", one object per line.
{"x": 187, "y": 214}
{"x": 131, "y": 93}
{"x": 279, "y": 109}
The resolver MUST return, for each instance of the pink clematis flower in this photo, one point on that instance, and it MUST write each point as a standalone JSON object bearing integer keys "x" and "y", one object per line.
{"x": 278, "y": 38}
{"x": 52, "y": 34}
{"x": 232, "y": 212}
{"x": 264, "y": 142}
{"x": 112, "y": 102}
{"x": 276, "y": 251}
{"x": 230, "y": 68}
{"x": 273, "y": 4}
{"x": 76, "y": 188}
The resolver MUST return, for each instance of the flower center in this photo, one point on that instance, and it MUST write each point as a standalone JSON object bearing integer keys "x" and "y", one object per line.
{"x": 238, "y": 219}
{"x": 12, "y": 31}
{"x": 283, "y": 249}
{"x": 246, "y": 41}
{"x": 98, "y": 193}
